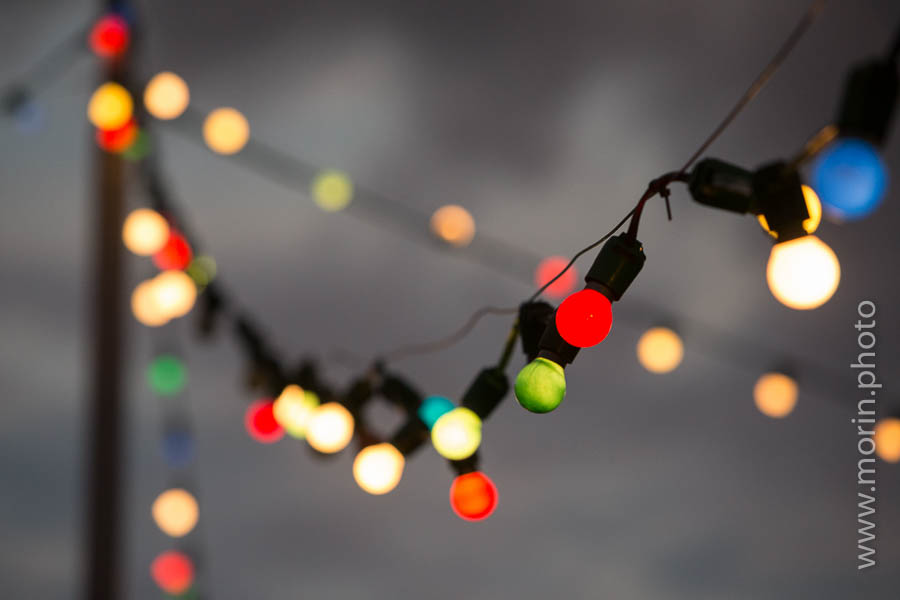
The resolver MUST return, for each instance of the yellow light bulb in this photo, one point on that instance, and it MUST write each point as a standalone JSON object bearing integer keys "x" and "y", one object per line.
{"x": 332, "y": 190}
{"x": 803, "y": 273}
{"x": 175, "y": 293}
{"x": 453, "y": 224}
{"x": 813, "y": 207}
{"x": 457, "y": 434}
{"x": 293, "y": 409}
{"x": 660, "y": 350}
{"x": 775, "y": 395}
{"x": 330, "y": 428}
{"x": 110, "y": 107}
{"x": 887, "y": 439}
{"x": 145, "y": 231}
{"x": 166, "y": 95}
{"x": 226, "y": 131}
{"x": 144, "y": 305}
{"x": 377, "y": 469}
{"x": 175, "y": 512}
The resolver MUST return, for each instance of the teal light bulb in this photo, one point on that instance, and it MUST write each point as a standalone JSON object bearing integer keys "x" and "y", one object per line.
{"x": 541, "y": 385}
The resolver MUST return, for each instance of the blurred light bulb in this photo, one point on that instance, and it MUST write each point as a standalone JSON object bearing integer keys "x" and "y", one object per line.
{"x": 457, "y": 434}
{"x": 166, "y": 96}
{"x": 110, "y": 106}
{"x": 175, "y": 512}
{"x": 109, "y": 36}
{"x": 173, "y": 572}
{"x": 176, "y": 253}
{"x": 332, "y": 190}
{"x": 549, "y": 268}
{"x": 177, "y": 448}
{"x": 541, "y": 385}
{"x": 584, "y": 318}
{"x": 453, "y": 224}
{"x": 145, "y": 231}
{"x": 850, "y": 178}
{"x": 432, "y": 408}
{"x": 145, "y": 307}
{"x": 330, "y": 428}
{"x": 175, "y": 293}
{"x": 775, "y": 395}
{"x": 226, "y": 131}
{"x": 660, "y": 350}
{"x": 813, "y": 207}
{"x": 118, "y": 140}
{"x": 260, "y": 422}
{"x": 293, "y": 409}
{"x": 202, "y": 270}
{"x": 377, "y": 469}
{"x": 473, "y": 496}
{"x": 166, "y": 375}
{"x": 803, "y": 273}
{"x": 887, "y": 439}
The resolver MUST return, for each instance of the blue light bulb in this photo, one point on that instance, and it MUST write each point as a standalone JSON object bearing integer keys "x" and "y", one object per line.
{"x": 178, "y": 447}
{"x": 432, "y": 408}
{"x": 850, "y": 179}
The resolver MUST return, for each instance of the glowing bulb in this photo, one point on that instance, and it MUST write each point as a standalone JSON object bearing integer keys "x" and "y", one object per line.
{"x": 813, "y": 207}
{"x": 457, "y": 434}
{"x": 226, "y": 131}
{"x": 109, "y": 36}
{"x": 432, "y": 408}
{"x": 145, "y": 231}
{"x": 803, "y": 273}
{"x": 118, "y": 140}
{"x": 260, "y": 422}
{"x": 166, "y": 96}
{"x": 175, "y": 512}
{"x": 660, "y": 350}
{"x": 850, "y": 178}
{"x": 175, "y": 254}
{"x": 541, "y": 385}
{"x": 202, "y": 270}
{"x": 549, "y": 268}
{"x": 377, "y": 469}
{"x": 144, "y": 305}
{"x": 110, "y": 106}
{"x": 293, "y": 409}
{"x": 330, "y": 428}
{"x": 166, "y": 375}
{"x": 775, "y": 395}
{"x": 175, "y": 293}
{"x": 177, "y": 447}
{"x": 173, "y": 572}
{"x": 453, "y": 224}
{"x": 584, "y": 318}
{"x": 887, "y": 439}
{"x": 332, "y": 190}
{"x": 473, "y": 496}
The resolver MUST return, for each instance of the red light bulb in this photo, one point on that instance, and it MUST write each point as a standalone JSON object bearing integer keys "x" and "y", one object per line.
{"x": 117, "y": 140}
{"x": 473, "y": 496}
{"x": 584, "y": 318}
{"x": 550, "y": 268}
{"x": 173, "y": 572}
{"x": 175, "y": 255}
{"x": 260, "y": 422}
{"x": 109, "y": 36}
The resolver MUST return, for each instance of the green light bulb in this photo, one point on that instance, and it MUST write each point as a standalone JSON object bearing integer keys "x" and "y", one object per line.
{"x": 541, "y": 385}
{"x": 166, "y": 375}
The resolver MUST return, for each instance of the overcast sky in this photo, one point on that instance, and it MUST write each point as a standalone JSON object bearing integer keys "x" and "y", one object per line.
{"x": 546, "y": 120}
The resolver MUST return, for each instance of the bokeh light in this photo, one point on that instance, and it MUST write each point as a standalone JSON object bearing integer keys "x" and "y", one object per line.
{"x": 226, "y": 131}
{"x": 775, "y": 395}
{"x": 110, "y": 106}
{"x": 453, "y": 224}
{"x": 166, "y": 375}
{"x": 118, "y": 140}
{"x": 473, "y": 496}
{"x": 330, "y": 428}
{"x": 660, "y": 350}
{"x": 259, "y": 420}
{"x": 549, "y": 268}
{"x": 293, "y": 409}
{"x": 850, "y": 178}
{"x": 584, "y": 318}
{"x": 145, "y": 231}
{"x": 175, "y": 512}
{"x": 173, "y": 572}
{"x": 139, "y": 149}
{"x": 202, "y": 270}
{"x": 175, "y": 293}
{"x": 176, "y": 253}
{"x": 145, "y": 306}
{"x": 166, "y": 96}
{"x": 887, "y": 439}
{"x": 332, "y": 190}
{"x": 457, "y": 434}
{"x": 541, "y": 385}
{"x": 432, "y": 408}
{"x": 109, "y": 36}
{"x": 803, "y": 273}
{"x": 813, "y": 207}
{"x": 377, "y": 469}
{"x": 177, "y": 447}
